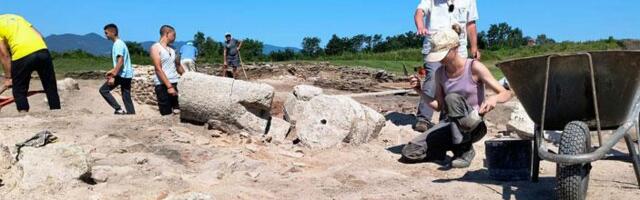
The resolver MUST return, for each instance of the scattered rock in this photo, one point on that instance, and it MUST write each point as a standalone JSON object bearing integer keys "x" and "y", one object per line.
{"x": 324, "y": 121}
{"x": 520, "y": 123}
{"x": 100, "y": 174}
{"x": 55, "y": 165}
{"x": 202, "y": 141}
{"x": 215, "y": 133}
{"x": 86, "y": 75}
{"x": 141, "y": 161}
{"x": 228, "y": 105}
{"x": 68, "y": 84}
{"x": 297, "y": 164}
{"x": 278, "y": 130}
{"x": 253, "y": 175}
{"x": 306, "y": 92}
{"x": 6, "y": 160}
{"x": 252, "y": 148}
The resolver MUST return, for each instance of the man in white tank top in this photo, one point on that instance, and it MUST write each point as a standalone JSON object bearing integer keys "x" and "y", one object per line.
{"x": 168, "y": 70}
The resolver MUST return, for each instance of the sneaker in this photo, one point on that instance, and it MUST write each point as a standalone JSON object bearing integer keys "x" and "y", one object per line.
{"x": 464, "y": 160}
{"x": 176, "y": 111}
{"x": 423, "y": 125}
{"x": 120, "y": 112}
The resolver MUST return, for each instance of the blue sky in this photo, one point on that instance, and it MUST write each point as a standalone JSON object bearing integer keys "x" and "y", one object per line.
{"x": 286, "y": 22}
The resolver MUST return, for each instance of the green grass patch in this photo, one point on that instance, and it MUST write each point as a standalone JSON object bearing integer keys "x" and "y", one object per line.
{"x": 391, "y": 61}
{"x": 64, "y": 64}
{"x": 391, "y": 66}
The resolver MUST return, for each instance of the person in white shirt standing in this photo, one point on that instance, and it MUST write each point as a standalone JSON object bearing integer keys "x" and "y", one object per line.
{"x": 437, "y": 15}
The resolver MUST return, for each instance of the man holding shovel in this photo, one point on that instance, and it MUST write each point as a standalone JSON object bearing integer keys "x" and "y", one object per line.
{"x": 231, "y": 55}
{"x": 22, "y": 51}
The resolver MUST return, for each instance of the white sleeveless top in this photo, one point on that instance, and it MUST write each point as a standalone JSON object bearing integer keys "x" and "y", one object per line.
{"x": 168, "y": 62}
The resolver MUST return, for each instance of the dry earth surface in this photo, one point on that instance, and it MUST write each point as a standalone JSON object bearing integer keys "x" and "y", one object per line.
{"x": 146, "y": 156}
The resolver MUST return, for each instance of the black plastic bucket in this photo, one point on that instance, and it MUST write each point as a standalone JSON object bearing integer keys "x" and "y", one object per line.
{"x": 508, "y": 159}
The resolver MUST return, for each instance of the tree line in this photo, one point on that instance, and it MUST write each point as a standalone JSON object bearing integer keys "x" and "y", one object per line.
{"x": 498, "y": 36}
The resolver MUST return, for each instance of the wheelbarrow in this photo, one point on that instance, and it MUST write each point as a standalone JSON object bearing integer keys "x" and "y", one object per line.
{"x": 578, "y": 93}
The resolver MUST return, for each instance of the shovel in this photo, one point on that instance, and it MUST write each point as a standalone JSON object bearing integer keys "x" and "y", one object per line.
{"x": 3, "y": 88}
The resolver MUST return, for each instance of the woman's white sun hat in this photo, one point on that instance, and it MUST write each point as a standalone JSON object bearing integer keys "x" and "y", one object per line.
{"x": 441, "y": 42}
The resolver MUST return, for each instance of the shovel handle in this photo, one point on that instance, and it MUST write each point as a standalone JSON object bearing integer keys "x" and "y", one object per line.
{"x": 3, "y": 88}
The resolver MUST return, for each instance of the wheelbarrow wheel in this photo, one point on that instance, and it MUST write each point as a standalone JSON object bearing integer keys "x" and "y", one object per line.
{"x": 573, "y": 180}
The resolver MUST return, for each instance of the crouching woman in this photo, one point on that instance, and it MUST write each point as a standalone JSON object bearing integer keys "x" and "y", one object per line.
{"x": 460, "y": 94}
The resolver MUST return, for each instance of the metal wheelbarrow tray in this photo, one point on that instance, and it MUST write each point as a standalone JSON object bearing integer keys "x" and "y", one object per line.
{"x": 557, "y": 90}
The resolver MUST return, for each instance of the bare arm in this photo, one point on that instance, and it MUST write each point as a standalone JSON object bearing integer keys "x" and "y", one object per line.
{"x": 419, "y": 21}
{"x": 239, "y": 45}
{"x": 482, "y": 73}
{"x": 117, "y": 68}
{"x": 5, "y": 58}
{"x": 155, "y": 58}
{"x": 433, "y": 102}
{"x": 472, "y": 29}
{"x": 179, "y": 67}
{"x": 438, "y": 104}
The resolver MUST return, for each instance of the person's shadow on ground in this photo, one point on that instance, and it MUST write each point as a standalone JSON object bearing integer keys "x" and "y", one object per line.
{"x": 397, "y": 149}
{"x": 544, "y": 189}
{"x": 401, "y": 119}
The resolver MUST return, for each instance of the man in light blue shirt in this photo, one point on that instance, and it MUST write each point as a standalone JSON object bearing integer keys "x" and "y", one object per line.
{"x": 188, "y": 55}
{"x": 120, "y": 75}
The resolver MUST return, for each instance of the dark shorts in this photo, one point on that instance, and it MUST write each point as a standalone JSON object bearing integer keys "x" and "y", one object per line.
{"x": 166, "y": 102}
{"x": 233, "y": 61}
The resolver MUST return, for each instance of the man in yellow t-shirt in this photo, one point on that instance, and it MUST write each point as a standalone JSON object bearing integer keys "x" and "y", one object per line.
{"x": 22, "y": 51}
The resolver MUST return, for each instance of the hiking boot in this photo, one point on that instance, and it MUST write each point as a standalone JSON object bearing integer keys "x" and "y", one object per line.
{"x": 120, "y": 112}
{"x": 469, "y": 122}
{"x": 423, "y": 125}
{"x": 464, "y": 160}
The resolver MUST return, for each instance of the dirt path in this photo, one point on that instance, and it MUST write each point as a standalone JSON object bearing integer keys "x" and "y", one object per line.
{"x": 149, "y": 156}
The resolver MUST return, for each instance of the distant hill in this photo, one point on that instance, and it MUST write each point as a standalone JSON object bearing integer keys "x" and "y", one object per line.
{"x": 98, "y": 45}
{"x": 91, "y": 43}
{"x": 267, "y": 49}
{"x": 147, "y": 45}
